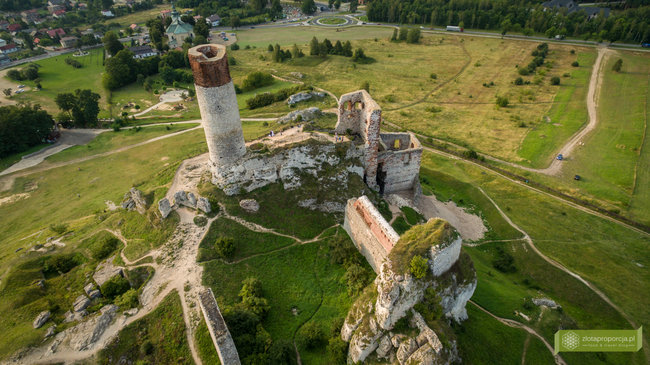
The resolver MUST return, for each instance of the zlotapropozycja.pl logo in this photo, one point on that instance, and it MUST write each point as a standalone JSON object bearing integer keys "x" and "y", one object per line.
{"x": 598, "y": 340}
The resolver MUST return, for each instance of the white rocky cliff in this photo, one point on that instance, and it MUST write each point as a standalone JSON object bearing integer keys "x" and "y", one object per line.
{"x": 384, "y": 323}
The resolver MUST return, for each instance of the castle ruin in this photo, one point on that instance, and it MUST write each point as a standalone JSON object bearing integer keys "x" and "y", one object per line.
{"x": 392, "y": 160}
{"x": 215, "y": 93}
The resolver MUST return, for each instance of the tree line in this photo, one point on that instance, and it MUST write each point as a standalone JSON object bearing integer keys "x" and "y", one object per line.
{"x": 22, "y": 127}
{"x": 629, "y": 25}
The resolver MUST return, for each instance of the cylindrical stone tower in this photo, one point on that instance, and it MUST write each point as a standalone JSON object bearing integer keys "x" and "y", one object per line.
{"x": 215, "y": 93}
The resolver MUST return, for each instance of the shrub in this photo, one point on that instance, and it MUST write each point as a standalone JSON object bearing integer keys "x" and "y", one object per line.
{"x": 60, "y": 228}
{"x": 523, "y": 71}
{"x": 225, "y": 247}
{"x": 127, "y": 300}
{"x": 471, "y": 154}
{"x": 575, "y": 64}
{"x": 337, "y": 351}
{"x": 234, "y": 46}
{"x": 419, "y": 266}
{"x": 256, "y": 80}
{"x": 503, "y": 261}
{"x": 429, "y": 307}
{"x": 146, "y": 348}
{"x": 618, "y": 65}
{"x": 528, "y": 304}
{"x": 282, "y": 352}
{"x": 312, "y": 335}
{"x": 555, "y": 80}
{"x": 519, "y": 81}
{"x": 103, "y": 248}
{"x": 232, "y": 61}
{"x": 200, "y": 220}
{"x": 115, "y": 286}
{"x": 61, "y": 263}
{"x": 356, "y": 278}
{"x": 502, "y": 101}
{"x": 433, "y": 76}
{"x": 251, "y": 295}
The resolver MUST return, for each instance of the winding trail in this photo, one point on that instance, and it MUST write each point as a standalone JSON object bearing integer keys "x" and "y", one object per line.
{"x": 514, "y": 324}
{"x": 556, "y": 264}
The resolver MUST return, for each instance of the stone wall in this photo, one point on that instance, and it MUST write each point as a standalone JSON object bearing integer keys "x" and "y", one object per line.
{"x": 386, "y": 168}
{"x": 444, "y": 256}
{"x": 221, "y": 337}
{"x": 215, "y": 94}
{"x": 359, "y": 113}
{"x": 370, "y": 232}
{"x": 399, "y": 169}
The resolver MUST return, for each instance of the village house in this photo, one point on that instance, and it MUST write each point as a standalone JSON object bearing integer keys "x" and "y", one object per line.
{"x": 69, "y": 42}
{"x": 140, "y": 52}
{"x": 59, "y": 14}
{"x": 9, "y": 48}
{"x": 213, "y": 20}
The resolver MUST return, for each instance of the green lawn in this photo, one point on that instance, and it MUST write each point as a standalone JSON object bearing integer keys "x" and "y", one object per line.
{"x": 300, "y": 283}
{"x": 58, "y": 77}
{"x": 159, "y": 337}
{"x": 610, "y": 256}
{"x": 566, "y": 116}
{"x": 613, "y": 163}
{"x": 247, "y": 242}
{"x": 108, "y": 141}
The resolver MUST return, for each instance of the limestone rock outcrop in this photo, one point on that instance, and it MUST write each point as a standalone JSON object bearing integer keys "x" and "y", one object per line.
{"x": 164, "y": 207}
{"x": 329, "y": 163}
{"x": 303, "y": 96}
{"x": 82, "y": 302}
{"x": 134, "y": 200}
{"x": 203, "y": 204}
{"x": 305, "y": 115}
{"x": 41, "y": 319}
{"x": 85, "y": 334}
{"x": 106, "y": 270}
{"x": 249, "y": 205}
{"x": 371, "y": 324}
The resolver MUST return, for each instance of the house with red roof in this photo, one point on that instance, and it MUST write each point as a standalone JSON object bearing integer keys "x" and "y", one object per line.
{"x": 14, "y": 27}
{"x": 59, "y": 14}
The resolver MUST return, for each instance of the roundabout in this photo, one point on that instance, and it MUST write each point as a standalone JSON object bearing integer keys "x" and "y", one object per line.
{"x": 334, "y": 21}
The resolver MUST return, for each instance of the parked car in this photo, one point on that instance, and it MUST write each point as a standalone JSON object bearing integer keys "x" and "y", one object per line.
{"x": 560, "y": 157}
{"x": 577, "y": 177}
{"x": 21, "y": 86}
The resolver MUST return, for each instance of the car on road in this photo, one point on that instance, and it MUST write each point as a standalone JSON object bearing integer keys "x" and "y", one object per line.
{"x": 21, "y": 86}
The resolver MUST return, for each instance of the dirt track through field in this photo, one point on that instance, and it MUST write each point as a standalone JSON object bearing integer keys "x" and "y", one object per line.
{"x": 514, "y": 324}
{"x": 556, "y": 264}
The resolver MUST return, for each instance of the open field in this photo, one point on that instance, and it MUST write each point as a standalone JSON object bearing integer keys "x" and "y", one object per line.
{"x": 261, "y": 37}
{"x": 613, "y": 163}
{"x": 58, "y": 77}
{"x": 462, "y": 110}
{"x": 611, "y": 160}
{"x": 579, "y": 241}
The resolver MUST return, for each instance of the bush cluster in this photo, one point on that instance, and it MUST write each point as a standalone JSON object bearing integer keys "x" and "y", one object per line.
{"x": 72, "y": 62}
{"x": 264, "y": 99}
{"x": 540, "y": 54}
{"x": 26, "y": 73}
{"x": 256, "y": 79}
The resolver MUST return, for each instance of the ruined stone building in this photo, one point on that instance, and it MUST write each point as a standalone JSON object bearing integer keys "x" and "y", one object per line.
{"x": 392, "y": 160}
